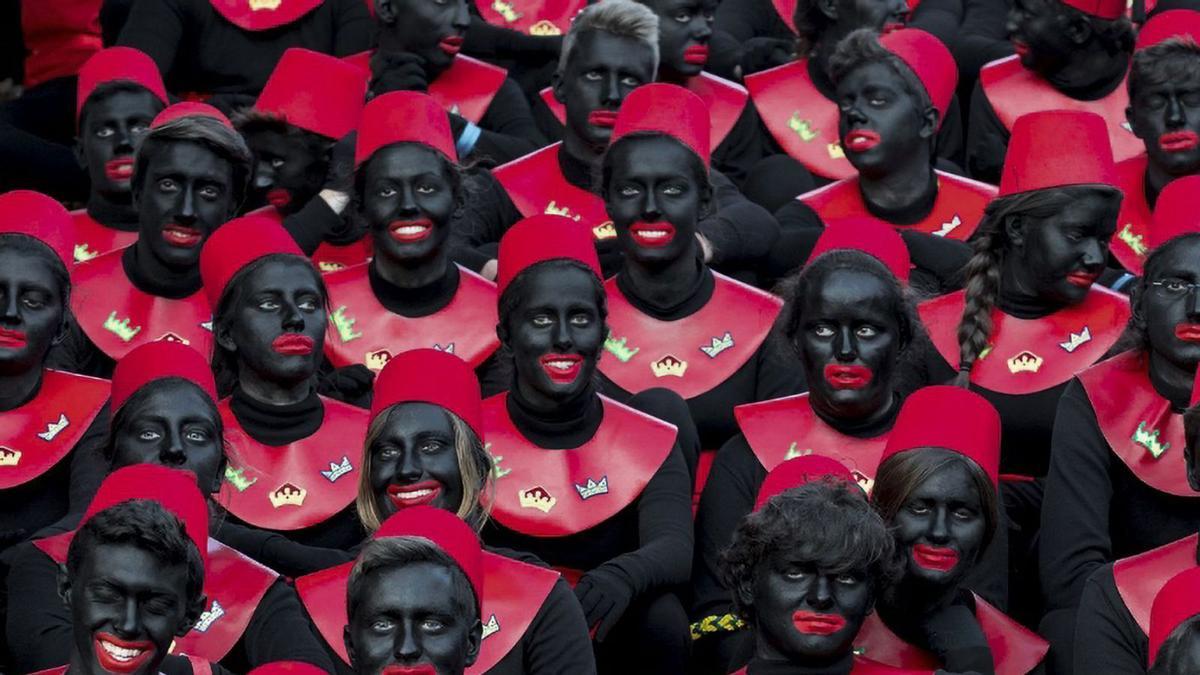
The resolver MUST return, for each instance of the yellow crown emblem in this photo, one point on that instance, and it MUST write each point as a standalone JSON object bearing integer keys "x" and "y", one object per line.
{"x": 536, "y": 498}
{"x": 9, "y": 457}
{"x": 619, "y": 348}
{"x": 265, "y": 5}
{"x": 506, "y": 10}
{"x": 375, "y": 361}
{"x": 669, "y": 365}
{"x": 121, "y": 328}
{"x": 1025, "y": 362}
{"x": 344, "y": 325}
{"x": 1149, "y": 440}
{"x": 544, "y": 28}
{"x": 288, "y": 495}
{"x": 327, "y": 266}
{"x": 83, "y": 253}
{"x": 605, "y": 230}
{"x": 565, "y": 211}
{"x": 835, "y": 150}
{"x": 802, "y": 127}
{"x": 1135, "y": 242}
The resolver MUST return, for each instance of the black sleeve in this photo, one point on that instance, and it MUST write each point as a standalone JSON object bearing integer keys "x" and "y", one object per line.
{"x": 557, "y": 641}
{"x": 507, "y": 129}
{"x": 156, "y": 27}
{"x": 745, "y": 19}
{"x": 1075, "y": 508}
{"x": 78, "y": 354}
{"x": 950, "y": 139}
{"x": 490, "y": 42}
{"x": 740, "y": 231}
{"x": 1107, "y": 638}
{"x": 309, "y": 225}
{"x": 983, "y": 37}
{"x": 742, "y": 147}
{"x": 280, "y": 631}
{"x": 278, "y": 552}
{"x": 987, "y": 139}
{"x": 940, "y": 18}
{"x": 39, "y": 625}
{"x": 938, "y": 262}
{"x": 12, "y": 42}
{"x": 352, "y": 29}
{"x": 483, "y": 219}
{"x": 778, "y": 373}
{"x": 88, "y": 466}
{"x": 724, "y": 55}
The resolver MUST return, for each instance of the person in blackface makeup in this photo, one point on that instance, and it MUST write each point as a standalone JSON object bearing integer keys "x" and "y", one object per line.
{"x": 1164, "y": 111}
{"x": 936, "y": 488}
{"x": 423, "y": 448}
{"x": 411, "y": 295}
{"x": 1071, "y": 55}
{"x": 893, "y": 92}
{"x": 414, "y": 597}
{"x": 119, "y": 93}
{"x": 613, "y": 513}
{"x": 189, "y": 178}
{"x": 1175, "y": 626}
{"x": 673, "y": 322}
{"x": 292, "y": 467}
{"x": 848, "y": 321}
{"x": 298, "y": 131}
{"x": 166, "y": 414}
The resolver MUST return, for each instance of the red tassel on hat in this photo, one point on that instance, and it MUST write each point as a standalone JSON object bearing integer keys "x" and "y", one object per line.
{"x": 1175, "y": 212}
{"x": 1057, "y": 148}
{"x": 666, "y": 109}
{"x": 930, "y": 61}
{"x": 316, "y": 92}
{"x": 118, "y": 64}
{"x": 952, "y": 418}
{"x": 235, "y": 245}
{"x": 430, "y": 376}
{"x": 400, "y": 117}
{"x": 1177, "y": 601}
{"x": 447, "y": 531}
{"x": 800, "y": 471}
{"x": 539, "y": 239}
{"x": 870, "y": 236}
{"x": 35, "y": 215}
{"x": 155, "y": 361}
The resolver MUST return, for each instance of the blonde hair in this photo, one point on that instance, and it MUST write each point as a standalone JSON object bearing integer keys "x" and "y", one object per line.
{"x": 623, "y": 18}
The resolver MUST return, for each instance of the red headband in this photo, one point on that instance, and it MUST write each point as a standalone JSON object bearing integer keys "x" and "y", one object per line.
{"x": 159, "y": 360}
{"x": 877, "y": 239}
{"x": 666, "y": 109}
{"x": 400, "y": 117}
{"x": 1175, "y": 212}
{"x": 118, "y": 64}
{"x": 539, "y": 239}
{"x": 1177, "y": 601}
{"x": 235, "y": 245}
{"x": 1056, "y": 148}
{"x": 800, "y": 471}
{"x": 316, "y": 92}
{"x": 1109, "y": 10}
{"x": 35, "y": 215}
{"x": 952, "y": 418}
{"x": 929, "y": 60}
{"x": 189, "y": 109}
{"x": 447, "y": 531}
{"x": 1168, "y": 24}
{"x": 430, "y": 376}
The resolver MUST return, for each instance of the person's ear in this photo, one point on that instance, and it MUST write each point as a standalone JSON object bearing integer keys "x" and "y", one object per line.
{"x": 194, "y": 609}
{"x": 64, "y": 327}
{"x": 386, "y": 11}
{"x": 474, "y": 639}
{"x": 706, "y": 200}
{"x": 1014, "y": 229}
{"x": 224, "y": 338}
{"x": 1135, "y": 126}
{"x": 80, "y": 157}
{"x": 348, "y": 641}
{"x": 745, "y": 593}
{"x": 502, "y": 332}
{"x": 224, "y": 464}
{"x": 63, "y": 582}
{"x": 828, "y": 8}
{"x": 929, "y": 123}
{"x": 556, "y": 86}
{"x": 1078, "y": 29}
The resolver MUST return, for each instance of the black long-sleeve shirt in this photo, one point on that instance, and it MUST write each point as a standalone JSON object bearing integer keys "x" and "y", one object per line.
{"x": 507, "y": 128}
{"x": 1107, "y": 637}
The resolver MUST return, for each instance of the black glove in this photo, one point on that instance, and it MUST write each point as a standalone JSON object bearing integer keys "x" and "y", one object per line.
{"x": 349, "y": 384}
{"x": 604, "y": 596}
{"x": 954, "y": 635}
{"x": 340, "y": 174}
{"x": 761, "y": 53}
{"x": 397, "y": 71}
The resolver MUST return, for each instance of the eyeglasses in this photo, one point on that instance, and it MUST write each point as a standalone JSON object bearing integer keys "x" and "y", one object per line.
{"x": 1175, "y": 287}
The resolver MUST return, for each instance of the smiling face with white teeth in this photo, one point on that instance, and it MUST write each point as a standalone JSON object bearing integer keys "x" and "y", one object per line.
{"x": 414, "y": 461}
{"x": 408, "y": 197}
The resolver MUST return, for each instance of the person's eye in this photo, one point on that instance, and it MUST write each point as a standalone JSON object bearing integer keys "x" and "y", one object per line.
{"x": 386, "y": 192}
{"x": 963, "y": 513}
{"x": 276, "y": 163}
{"x": 426, "y": 189}
{"x": 1190, "y": 98}
{"x": 629, "y": 191}
{"x": 541, "y": 321}
{"x": 847, "y": 579}
{"x": 149, "y": 435}
{"x": 593, "y": 76}
{"x": 673, "y": 190}
{"x": 140, "y": 127}
{"x": 581, "y": 320}
{"x": 683, "y": 17}
{"x": 795, "y": 573}
{"x": 210, "y": 192}
{"x": 159, "y": 606}
{"x": 918, "y": 509}
{"x": 877, "y": 101}
{"x": 197, "y": 436}
{"x": 430, "y": 447}
{"x": 382, "y": 625}
{"x": 308, "y": 305}
{"x": 268, "y": 305}
{"x": 105, "y": 132}
{"x": 1155, "y": 101}
{"x": 432, "y": 625}
{"x": 168, "y": 185}
{"x": 1174, "y": 286}
{"x": 823, "y": 331}
{"x": 33, "y": 302}
{"x": 631, "y": 81}
{"x": 388, "y": 452}
{"x": 866, "y": 332}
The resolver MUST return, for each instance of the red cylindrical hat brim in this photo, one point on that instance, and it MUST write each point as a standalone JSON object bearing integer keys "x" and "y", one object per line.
{"x": 542, "y": 238}
{"x": 35, "y": 215}
{"x": 235, "y": 245}
{"x": 155, "y": 361}
{"x": 430, "y": 376}
{"x": 118, "y": 64}
{"x": 1057, "y": 148}
{"x": 666, "y": 109}
{"x": 869, "y": 236}
{"x": 403, "y": 117}
{"x": 952, "y": 418}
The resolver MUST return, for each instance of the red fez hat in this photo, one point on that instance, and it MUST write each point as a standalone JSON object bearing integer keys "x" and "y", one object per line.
{"x": 316, "y": 92}
{"x": 873, "y": 237}
{"x": 1166, "y": 25}
{"x": 403, "y": 116}
{"x": 666, "y": 109}
{"x": 1175, "y": 212}
{"x": 447, "y": 531}
{"x": 118, "y": 64}
{"x": 174, "y": 489}
{"x": 189, "y": 109}
{"x": 35, "y": 215}
{"x": 1177, "y": 601}
{"x": 1108, "y": 10}
{"x": 287, "y": 668}
{"x": 1055, "y": 148}
{"x": 540, "y": 238}
{"x": 430, "y": 376}
{"x": 153, "y": 361}
{"x": 800, "y": 471}
{"x": 930, "y": 61}
{"x": 236, "y": 244}
{"x": 952, "y": 418}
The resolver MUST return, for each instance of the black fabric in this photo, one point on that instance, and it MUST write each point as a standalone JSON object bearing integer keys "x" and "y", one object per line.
{"x": 277, "y": 425}
{"x": 150, "y": 276}
{"x": 37, "y": 132}
{"x": 1108, "y": 638}
{"x": 311, "y": 224}
{"x": 507, "y": 127}
{"x": 121, "y": 217}
{"x": 414, "y": 302}
{"x": 759, "y": 666}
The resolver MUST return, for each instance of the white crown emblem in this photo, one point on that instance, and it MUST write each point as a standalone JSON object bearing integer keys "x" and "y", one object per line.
{"x": 949, "y": 227}
{"x": 536, "y": 498}
{"x": 492, "y": 626}
{"x": 1076, "y": 340}
{"x": 669, "y": 365}
{"x": 336, "y": 470}
{"x": 718, "y": 345}
{"x": 1025, "y": 362}
{"x": 592, "y": 488}
{"x": 449, "y": 348}
{"x": 288, "y": 495}
{"x": 206, "y": 325}
{"x": 54, "y": 428}
{"x": 209, "y": 617}
{"x": 9, "y": 457}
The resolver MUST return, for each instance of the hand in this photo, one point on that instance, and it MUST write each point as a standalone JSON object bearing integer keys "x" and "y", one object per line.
{"x": 348, "y": 384}
{"x": 339, "y": 177}
{"x": 761, "y": 53}
{"x": 604, "y": 598}
{"x": 954, "y": 635}
{"x": 397, "y": 71}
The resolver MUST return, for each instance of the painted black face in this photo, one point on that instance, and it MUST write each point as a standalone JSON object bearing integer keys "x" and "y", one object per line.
{"x": 684, "y": 29}
{"x": 1171, "y": 305}
{"x": 555, "y": 335}
{"x": 1187, "y": 652}
{"x": 113, "y": 127}
{"x": 431, "y": 29}
{"x": 1037, "y": 35}
{"x": 1058, "y": 258}
{"x": 1166, "y": 116}
{"x": 654, "y": 199}
{"x": 123, "y": 600}
{"x": 407, "y": 201}
{"x": 287, "y": 173}
{"x": 941, "y": 527}
{"x": 408, "y": 618}
{"x": 881, "y": 124}
{"x": 31, "y": 311}
{"x": 278, "y": 330}
{"x": 808, "y": 615}
{"x": 186, "y": 195}
{"x": 414, "y": 462}
{"x": 874, "y": 14}
{"x": 175, "y": 426}
{"x": 849, "y": 343}
{"x": 601, "y": 72}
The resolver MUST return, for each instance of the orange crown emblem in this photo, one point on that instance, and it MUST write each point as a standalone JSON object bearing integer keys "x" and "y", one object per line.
{"x": 9, "y": 457}
{"x": 375, "y": 361}
{"x": 1025, "y": 362}
{"x": 288, "y": 495}
{"x": 267, "y": 5}
{"x": 536, "y": 498}
{"x": 669, "y": 365}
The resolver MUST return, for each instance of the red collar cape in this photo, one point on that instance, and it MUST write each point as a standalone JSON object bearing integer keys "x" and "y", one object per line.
{"x": 199, "y": 667}
{"x": 117, "y": 317}
{"x": 329, "y": 257}
{"x": 692, "y": 355}
{"x": 1031, "y": 355}
{"x": 1015, "y": 649}
{"x": 298, "y": 485}
{"x": 513, "y": 594}
{"x": 556, "y": 493}
{"x": 800, "y": 118}
{"x": 1131, "y": 242}
{"x": 1139, "y": 425}
{"x": 1013, "y": 91}
{"x": 536, "y": 185}
{"x": 1138, "y": 578}
{"x": 786, "y": 10}
{"x": 726, "y": 101}
{"x": 535, "y": 17}
{"x": 259, "y": 15}
{"x": 37, "y": 435}
{"x": 233, "y": 585}
{"x": 361, "y": 330}
{"x": 93, "y": 239}
{"x": 785, "y": 428}
{"x": 955, "y": 215}
{"x": 867, "y": 667}
{"x": 466, "y": 88}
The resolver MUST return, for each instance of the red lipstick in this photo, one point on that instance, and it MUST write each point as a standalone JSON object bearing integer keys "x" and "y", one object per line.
{"x": 181, "y": 236}
{"x": 861, "y": 140}
{"x": 1188, "y": 332}
{"x": 813, "y": 623}
{"x": 603, "y": 118}
{"x": 120, "y": 168}
{"x": 652, "y": 235}
{"x": 279, "y": 198}
{"x": 415, "y": 494}
{"x": 1178, "y": 141}
{"x": 451, "y": 44}
{"x": 418, "y": 669}
{"x": 1082, "y": 279}
{"x": 562, "y": 368}
{"x": 847, "y": 377}
{"x": 12, "y": 339}
{"x": 121, "y": 656}
{"x": 293, "y": 344}
{"x": 936, "y": 558}
{"x": 696, "y": 55}
{"x": 408, "y": 231}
